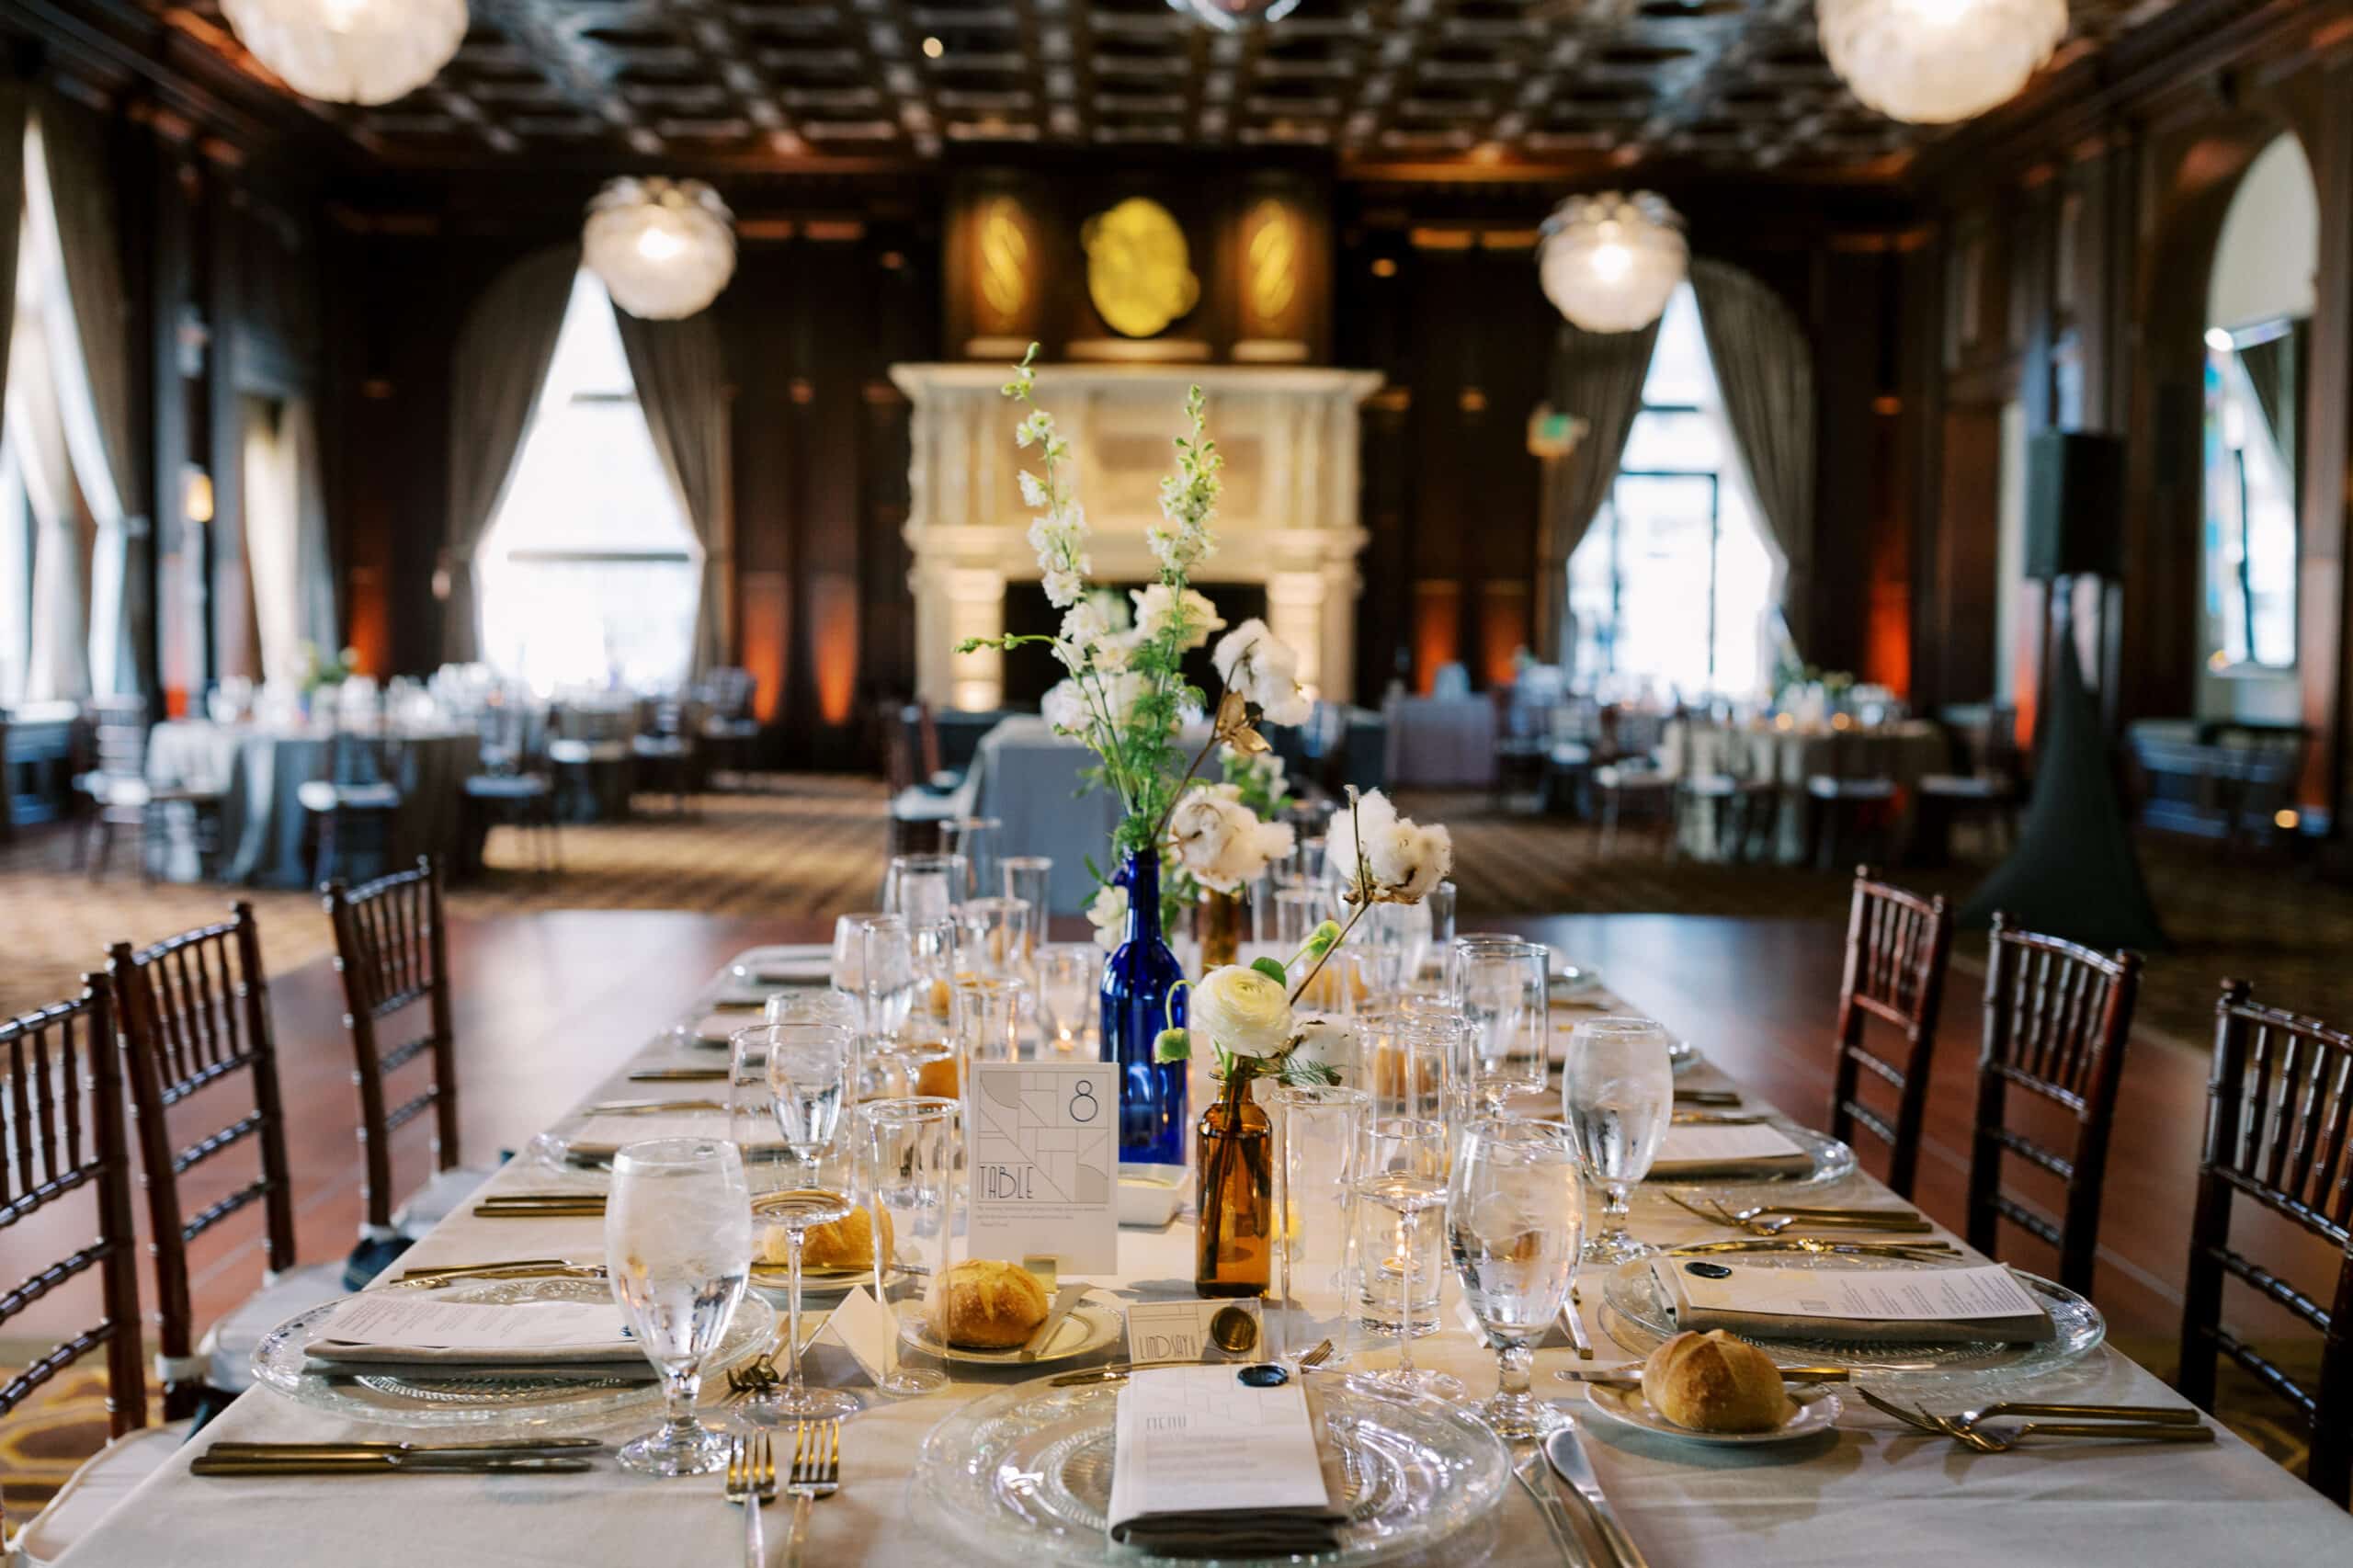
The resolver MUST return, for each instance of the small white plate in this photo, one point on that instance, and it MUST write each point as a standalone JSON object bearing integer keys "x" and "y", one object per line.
{"x": 1090, "y": 1326}
{"x": 1814, "y": 1410}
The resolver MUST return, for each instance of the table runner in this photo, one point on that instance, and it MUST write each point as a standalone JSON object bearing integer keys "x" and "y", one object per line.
{"x": 1872, "y": 1497}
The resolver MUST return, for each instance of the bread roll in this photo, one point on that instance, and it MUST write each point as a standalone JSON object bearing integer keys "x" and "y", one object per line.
{"x": 939, "y": 1078}
{"x": 1714, "y": 1382}
{"x": 847, "y": 1242}
{"x": 986, "y": 1305}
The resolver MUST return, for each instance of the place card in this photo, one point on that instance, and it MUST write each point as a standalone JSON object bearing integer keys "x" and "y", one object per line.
{"x": 1041, "y": 1145}
{"x": 1190, "y": 1442}
{"x": 1727, "y": 1149}
{"x": 866, "y": 1329}
{"x": 1179, "y": 1331}
{"x": 1961, "y": 1304}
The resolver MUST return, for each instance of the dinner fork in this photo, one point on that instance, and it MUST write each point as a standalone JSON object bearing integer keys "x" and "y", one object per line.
{"x": 1757, "y": 1210}
{"x": 1856, "y": 1222}
{"x": 751, "y": 1481}
{"x": 2166, "y": 1424}
{"x": 817, "y": 1473}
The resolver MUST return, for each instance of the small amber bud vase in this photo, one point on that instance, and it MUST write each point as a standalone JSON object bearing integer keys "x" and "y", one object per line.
{"x": 1219, "y": 924}
{"x": 1234, "y": 1246}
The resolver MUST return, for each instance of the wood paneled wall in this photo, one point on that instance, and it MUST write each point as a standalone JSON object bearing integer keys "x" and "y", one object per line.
{"x": 2075, "y": 234}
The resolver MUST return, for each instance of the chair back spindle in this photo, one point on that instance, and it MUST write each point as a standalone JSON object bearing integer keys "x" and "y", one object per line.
{"x": 391, "y": 952}
{"x": 1897, "y": 947}
{"x": 2057, "y": 1017}
{"x": 2278, "y": 1102}
{"x": 61, "y": 1131}
{"x": 193, "y": 1012}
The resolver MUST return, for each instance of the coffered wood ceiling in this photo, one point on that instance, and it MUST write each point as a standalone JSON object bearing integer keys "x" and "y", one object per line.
{"x": 1476, "y": 84}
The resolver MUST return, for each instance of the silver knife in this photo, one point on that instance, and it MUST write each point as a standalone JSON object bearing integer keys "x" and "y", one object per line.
{"x": 1065, "y": 1299}
{"x": 1566, "y": 1455}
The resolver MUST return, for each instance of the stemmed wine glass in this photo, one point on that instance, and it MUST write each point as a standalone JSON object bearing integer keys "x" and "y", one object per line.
{"x": 808, "y": 1074}
{"x": 907, "y": 1152}
{"x": 1400, "y": 1173}
{"x": 1618, "y": 1095}
{"x": 1514, "y": 1214}
{"x": 677, "y": 1251}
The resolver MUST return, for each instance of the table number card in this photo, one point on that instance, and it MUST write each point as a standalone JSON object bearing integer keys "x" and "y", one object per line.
{"x": 1041, "y": 1143}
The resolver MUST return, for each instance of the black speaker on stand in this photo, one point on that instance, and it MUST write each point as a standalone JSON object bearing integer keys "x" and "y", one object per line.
{"x": 2073, "y": 872}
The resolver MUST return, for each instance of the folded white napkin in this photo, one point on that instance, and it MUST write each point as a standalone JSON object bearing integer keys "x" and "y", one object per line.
{"x": 1935, "y": 1306}
{"x": 1722, "y": 1152}
{"x": 390, "y": 1329}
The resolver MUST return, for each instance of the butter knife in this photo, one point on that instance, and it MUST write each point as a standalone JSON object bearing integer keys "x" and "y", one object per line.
{"x": 1566, "y": 1455}
{"x": 1065, "y": 1299}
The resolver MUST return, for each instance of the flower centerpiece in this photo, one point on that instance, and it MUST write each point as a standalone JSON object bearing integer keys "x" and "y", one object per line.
{"x": 1125, "y": 696}
{"x": 1251, "y": 1020}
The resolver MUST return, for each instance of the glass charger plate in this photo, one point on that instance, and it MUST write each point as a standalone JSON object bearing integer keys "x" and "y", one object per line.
{"x": 1828, "y": 1161}
{"x": 453, "y": 1399}
{"x": 1632, "y": 1297}
{"x": 1024, "y": 1474}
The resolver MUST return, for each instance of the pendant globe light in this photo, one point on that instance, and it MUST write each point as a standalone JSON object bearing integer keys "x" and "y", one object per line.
{"x": 1610, "y": 262}
{"x": 663, "y": 248}
{"x": 351, "y": 51}
{"x": 1234, "y": 15}
{"x": 1933, "y": 62}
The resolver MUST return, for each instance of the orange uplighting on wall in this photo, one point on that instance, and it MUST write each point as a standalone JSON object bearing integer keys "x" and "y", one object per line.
{"x": 1437, "y": 630}
{"x": 764, "y": 621}
{"x": 1887, "y": 637}
{"x": 369, "y": 627}
{"x": 833, "y": 642}
{"x": 1503, "y": 631}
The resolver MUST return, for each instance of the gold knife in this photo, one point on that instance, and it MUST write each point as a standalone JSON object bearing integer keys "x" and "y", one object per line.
{"x": 1066, "y": 1299}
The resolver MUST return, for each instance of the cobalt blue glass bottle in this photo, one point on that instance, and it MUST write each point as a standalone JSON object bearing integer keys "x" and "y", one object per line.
{"x": 1136, "y": 982}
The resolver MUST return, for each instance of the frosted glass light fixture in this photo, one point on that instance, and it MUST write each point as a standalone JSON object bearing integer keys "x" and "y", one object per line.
{"x": 663, "y": 248}
{"x": 1610, "y": 262}
{"x": 1932, "y": 61}
{"x": 1234, "y": 15}
{"x": 351, "y": 51}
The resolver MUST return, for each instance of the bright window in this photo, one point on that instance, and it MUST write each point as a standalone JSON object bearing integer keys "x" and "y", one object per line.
{"x": 589, "y": 573}
{"x": 2250, "y": 499}
{"x": 1672, "y": 587}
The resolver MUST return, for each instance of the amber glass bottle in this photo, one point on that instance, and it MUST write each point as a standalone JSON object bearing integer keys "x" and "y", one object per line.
{"x": 1234, "y": 1246}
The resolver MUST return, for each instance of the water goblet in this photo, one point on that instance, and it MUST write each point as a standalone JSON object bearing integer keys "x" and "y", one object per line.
{"x": 1514, "y": 1213}
{"x": 797, "y": 1211}
{"x": 1616, "y": 1095}
{"x": 678, "y": 1253}
{"x": 907, "y": 1150}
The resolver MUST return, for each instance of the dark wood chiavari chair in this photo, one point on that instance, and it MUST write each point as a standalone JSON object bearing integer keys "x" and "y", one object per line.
{"x": 193, "y": 1011}
{"x": 2278, "y": 1105}
{"x": 391, "y": 950}
{"x": 63, "y": 1132}
{"x": 2057, "y": 1017}
{"x": 1897, "y": 945}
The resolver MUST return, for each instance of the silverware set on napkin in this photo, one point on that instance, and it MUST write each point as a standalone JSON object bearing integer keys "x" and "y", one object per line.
{"x": 542, "y": 1206}
{"x": 519, "y": 1455}
{"x": 2117, "y": 1423}
{"x": 1771, "y": 1219}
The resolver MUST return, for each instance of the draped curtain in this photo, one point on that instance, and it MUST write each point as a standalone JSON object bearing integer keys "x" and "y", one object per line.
{"x": 57, "y": 663}
{"x": 1598, "y": 380}
{"x": 14, "y": 96}
{"x": 681, "y": 380}
{"x": 501, "y": 365}
{"x": 1765, "y": 369}
{"x": 96, "y": 389}
{"x": 298, "y": 433}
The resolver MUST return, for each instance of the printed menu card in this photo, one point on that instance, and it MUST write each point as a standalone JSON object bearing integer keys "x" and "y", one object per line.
{"x": 1042, "y": 1145}
{"x": 1206, "y": 1465}
{"x": 1931, "y": 1306}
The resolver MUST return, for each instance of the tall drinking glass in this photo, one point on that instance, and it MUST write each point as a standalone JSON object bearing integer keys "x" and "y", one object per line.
{"x": 925, "y": 888}
{"x": 1400, "y": 1179}
{"x": 1514, "y": 1213}
{"x": 909, "y": 1149}
{"x": 974, "y": 838}
{"x": 988, "y": 1019}
{"x": 1502, "y": 989}
{"x": 677, "y": 1251}
{"x": 930, "y": 1015}
{"x": 1618, "y": 1097}
{"x": 1029, "y": 877}
{"x": 809, "y": 1070}
{"x": 1440, "y": 905}
{"x": 1409, "y": 1064}
{"x": 1319, "y": 1130}
{"x": 995, "y": 936}
{"x": 1069, "y": 976}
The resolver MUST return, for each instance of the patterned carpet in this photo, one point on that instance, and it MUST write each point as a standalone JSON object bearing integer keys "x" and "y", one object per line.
{"x": 817, "y": 846}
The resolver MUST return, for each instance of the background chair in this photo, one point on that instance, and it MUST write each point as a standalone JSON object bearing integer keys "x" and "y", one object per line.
{"x": 61, "y": 1107}
{"x": 1850, "y": 803}
{"x": 1632, "y": 781}
{"x": 1897, "y": 945}
{"x": 730, "y": 730}
{"x": 121, "y": 797}
{"x": 512, "y": 785}
{"x": 1982, "y": 740}
{"x": 589, "y": 748}
{"x": 390, "y": 951}
{"x": 2275, "y": 1135}
{"x": 349, "y": 812}
{"x": 193, "y": 1012}
{"x": 662, "y": 750}
{"x": 2057, "y": 1017}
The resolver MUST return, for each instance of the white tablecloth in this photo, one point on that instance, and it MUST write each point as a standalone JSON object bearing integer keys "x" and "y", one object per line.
{"x": 1872, "y": 1497}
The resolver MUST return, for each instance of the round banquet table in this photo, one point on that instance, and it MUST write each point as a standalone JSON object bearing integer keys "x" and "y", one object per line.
{"x": 262, "y": 767}
{"x": 1864, "y": 1496}
{"x": 1904, "y": 752}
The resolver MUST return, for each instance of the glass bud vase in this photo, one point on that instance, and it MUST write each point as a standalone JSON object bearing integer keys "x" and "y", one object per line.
{"x": 1137, "y": 979}
{"x": 1219, "y": 924}
{"x": 1233, "y": 1247}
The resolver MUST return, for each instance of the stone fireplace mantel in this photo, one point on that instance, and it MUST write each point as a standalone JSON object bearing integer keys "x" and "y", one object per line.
{"x": 1288, "y": 519}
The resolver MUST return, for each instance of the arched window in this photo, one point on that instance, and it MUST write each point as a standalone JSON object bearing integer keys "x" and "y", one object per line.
{"x": 589, "y": 573}
{"x": 1673, "y": 586}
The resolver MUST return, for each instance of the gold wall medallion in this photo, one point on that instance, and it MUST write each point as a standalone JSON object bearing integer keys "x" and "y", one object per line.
{"x": 1273, "y": 260}
{"x": 1005, "y": 262}
{"x": 1137, "y": 267}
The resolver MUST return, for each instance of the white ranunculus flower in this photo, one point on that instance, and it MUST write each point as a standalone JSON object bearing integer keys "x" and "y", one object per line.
{"x": 1406, "y": 860}
{"x": 1241, "y": 1009}
{"x": 1157, "y": 604}
{"x": 1109, "y": 914}
{"x": 1250, "y": 659}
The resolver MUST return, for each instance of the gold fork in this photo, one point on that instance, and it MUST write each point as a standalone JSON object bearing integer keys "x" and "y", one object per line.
{"x": 1824, "y": 1222}
{"x": 751, "y": 1481}
{"x": 817, "y": 1473}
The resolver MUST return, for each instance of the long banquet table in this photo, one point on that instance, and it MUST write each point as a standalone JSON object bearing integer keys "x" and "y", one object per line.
{"x": 1872, "y": 1495}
